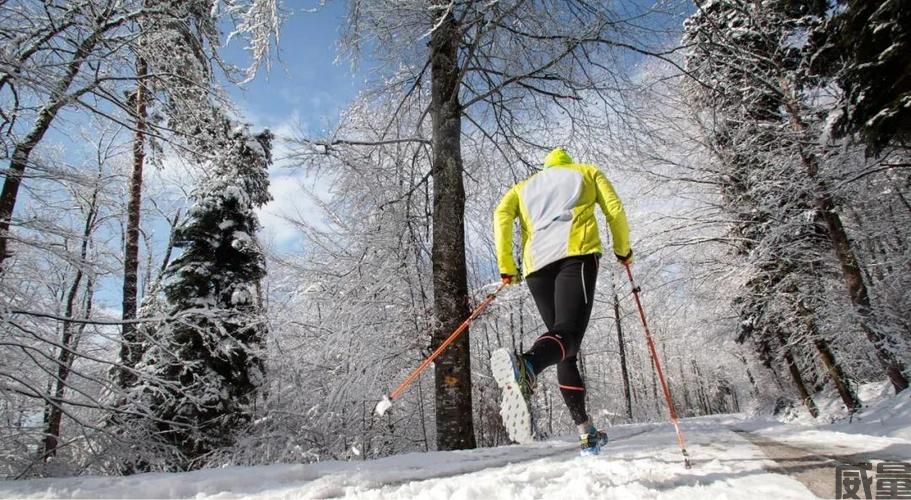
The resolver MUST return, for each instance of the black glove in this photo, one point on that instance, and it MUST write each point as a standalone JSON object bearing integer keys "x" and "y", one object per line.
{"x": 625, "y": 259}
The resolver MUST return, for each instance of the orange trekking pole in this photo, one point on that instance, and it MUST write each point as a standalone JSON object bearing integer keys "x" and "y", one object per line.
{"x": 651, "y": 347}
{"x": 386, "y": 402}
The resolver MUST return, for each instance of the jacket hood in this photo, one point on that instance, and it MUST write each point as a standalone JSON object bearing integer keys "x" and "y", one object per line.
{"x": 558, "y": 156}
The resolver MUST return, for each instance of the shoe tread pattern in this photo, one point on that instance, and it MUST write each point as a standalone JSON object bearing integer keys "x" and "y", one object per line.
{"x": 513, "y": 408}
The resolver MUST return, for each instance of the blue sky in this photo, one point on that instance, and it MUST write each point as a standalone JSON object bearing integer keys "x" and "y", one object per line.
{"x": 307, "y": 86}
{"x": 307, "y": 78}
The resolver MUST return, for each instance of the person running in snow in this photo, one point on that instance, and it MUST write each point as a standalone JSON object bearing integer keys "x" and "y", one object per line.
{"x": 560, "y": 257}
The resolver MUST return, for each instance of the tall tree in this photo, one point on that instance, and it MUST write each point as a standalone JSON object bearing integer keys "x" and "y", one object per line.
{"x": 39, "y": 80}
{"x": 175, "y": 53}
{"x": 202, "y": 367}
{"x": 450, "y": 280}
{"x": 621, "y": 343}
{"x": 129, "y": 354}
{"x": 71, "y": 332}
{"x": 85, "y": 26}
{"x": 69, "y": 68}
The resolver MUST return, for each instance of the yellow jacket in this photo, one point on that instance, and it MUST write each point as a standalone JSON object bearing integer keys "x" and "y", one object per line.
{"x": 556, "y": 211}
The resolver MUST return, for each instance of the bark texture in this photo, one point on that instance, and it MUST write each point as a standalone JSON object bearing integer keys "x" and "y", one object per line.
{"x": 450, "y": 284}
{"x": 129, "y": 348}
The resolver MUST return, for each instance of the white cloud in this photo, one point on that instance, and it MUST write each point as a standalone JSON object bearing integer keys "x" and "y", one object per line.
{"x": 292, "y": 202}
{"x": 174, "y": 175}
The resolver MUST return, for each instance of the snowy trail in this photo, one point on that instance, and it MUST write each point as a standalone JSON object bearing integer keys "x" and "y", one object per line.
{"x": 811, "y": 468}
{"x": 642, "y": 461}
{"x": 732, "y": 458}
{"x": 491, "y": 459}
{"x": 643, "y": 465}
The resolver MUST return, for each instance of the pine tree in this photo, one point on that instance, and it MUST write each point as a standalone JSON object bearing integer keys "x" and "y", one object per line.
{"x": 202, "y": 367}
{"x": 173, "y": 77}
{"x": 865, "y": 47}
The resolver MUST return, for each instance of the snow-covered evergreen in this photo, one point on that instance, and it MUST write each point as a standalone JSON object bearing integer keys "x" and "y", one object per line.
{"x": 864, "y": 48}
{"x": 202, "y": 369}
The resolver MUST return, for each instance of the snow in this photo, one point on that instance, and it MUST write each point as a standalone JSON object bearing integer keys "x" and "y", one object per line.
{"x": 233, "y": 193}
{"x": 884, "y": 424}
{"x": 797, "y": 40}
{"x": 641, "y": 461}
{"x": 882, "y": 26}
{"x": 828, "y": 128}
{"x": 241, "y": 296}
{"x": 885, "y": 113}
{"x": 241, "y": 241}
{"x": 888, "y": 52}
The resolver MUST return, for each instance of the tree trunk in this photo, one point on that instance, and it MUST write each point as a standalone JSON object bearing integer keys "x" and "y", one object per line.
{"x": 423, "y": 416}
{"x": 450, "y": 282}
{"x": 857, "y": 290}
{"x": 23, "y": 150}
{"x": 764, "y": 351}
{"x": 700, "y": 389}
{"x": 754, "y": 387}
{"x": 130, "y": 348}
{"x": 826, "y": 356}
{"x": 64, "y": 357}
{"x": 624, "y": 373}
{"x": 797, "y": 377}
{"x": 687, "y": 402}
{"x": 850, "y": 269}
{"x": 833, "y": 368}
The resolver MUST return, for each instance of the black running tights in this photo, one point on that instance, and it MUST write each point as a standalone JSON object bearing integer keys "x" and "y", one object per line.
{"x": 564, "y": 292}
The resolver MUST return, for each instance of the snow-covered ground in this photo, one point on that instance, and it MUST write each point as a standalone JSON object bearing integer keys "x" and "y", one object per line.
{"x": 642, "y": 461}
{"x": 884, "y": 426}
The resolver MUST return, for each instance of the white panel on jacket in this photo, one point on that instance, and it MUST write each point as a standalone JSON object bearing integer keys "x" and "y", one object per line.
{"x": 550, "y": 197}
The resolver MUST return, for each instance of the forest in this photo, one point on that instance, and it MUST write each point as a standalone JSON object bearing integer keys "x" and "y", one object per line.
{"x": 760, "y": 147}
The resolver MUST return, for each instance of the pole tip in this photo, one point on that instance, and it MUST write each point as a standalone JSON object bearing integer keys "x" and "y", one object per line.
{"x": 383, "y": 406}
{"x": 686, "y": 459}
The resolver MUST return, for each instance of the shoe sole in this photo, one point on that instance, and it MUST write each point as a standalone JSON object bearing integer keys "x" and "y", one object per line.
{"x": 513, "y": 408}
